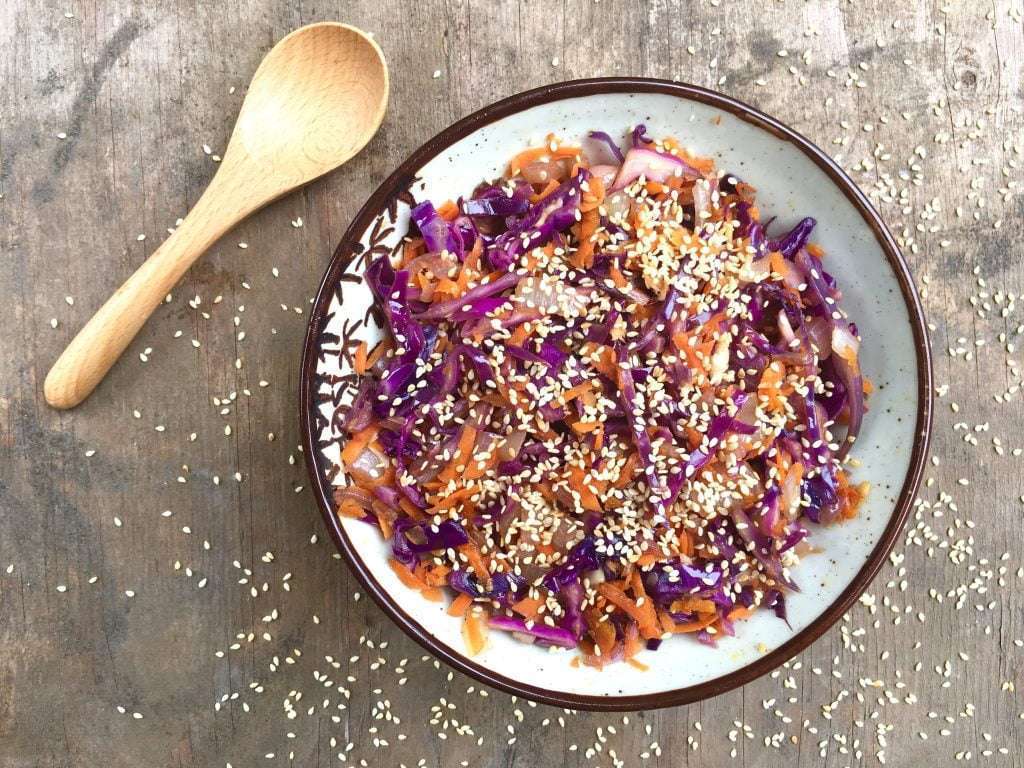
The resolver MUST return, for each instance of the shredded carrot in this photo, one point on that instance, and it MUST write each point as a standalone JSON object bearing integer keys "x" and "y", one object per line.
{"x": 550, "y": 187}
{"x": 627, "y": 471}
{"x": 349, "y": 508}
{"x": 358, "y": 442}
{"x": 631, "y": 643}
{"x": 411, "y": 250}
{"x": 474, "y": 633}
{"x": 649, "y": 558}
{"x": 456, "y": 497}
{"x": 685, "y": 542}
{"x": 448, "y": 210}
{"x": 694, "y": 626}
{"x": 693, "y": 605}
{"x": 778, "y": 264}
{"x": 384, "y": 521}
{"x": 434, "y": 575}
{"x": 409, "y": 508}
{"x": 739, "y": 612}
{"x": 460, "y": 605}
{"x": 377, "y": 353}
{"x": 359, "y": 359}
{"x": 583, "y": 258}
{"x": 528, "y": 607}
{"x": 476, "y": 560}
{"x": 643, "y": 613}
{"x": 462, "y": 455}
{"x": 407, "y": 577}
{"x": 601, "y": 630}
{"x": 605, "y": 363}
{"x": 617, "y": 277}
{"x": 527, "y": 156}
{"x": 520, "y": 335}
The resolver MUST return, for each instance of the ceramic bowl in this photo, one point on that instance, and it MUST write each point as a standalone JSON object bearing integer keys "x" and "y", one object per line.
{"x": 794, "y": 179}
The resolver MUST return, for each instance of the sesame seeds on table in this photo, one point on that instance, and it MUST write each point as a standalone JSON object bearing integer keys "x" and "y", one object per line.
{"x": 941, "y": 163}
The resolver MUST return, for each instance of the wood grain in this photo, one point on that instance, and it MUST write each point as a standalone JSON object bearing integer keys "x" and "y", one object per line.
{"x": 921, "y": 102}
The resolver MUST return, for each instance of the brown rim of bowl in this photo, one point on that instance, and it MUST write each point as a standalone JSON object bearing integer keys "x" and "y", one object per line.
{"x": 401, "y": 179}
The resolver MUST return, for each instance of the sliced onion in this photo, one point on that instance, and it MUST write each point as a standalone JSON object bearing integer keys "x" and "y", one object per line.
{"x": 786, "y": 329}
{"x": 701, "y": 200}
{"x": 845, "y": 344}
{"x": 551, "y": 297}
{"x": 606, "y": 173}
{"x": 354, "y": 494}
{"x": 618, "y": 206}
{"x": 368, "y": 467}
{"x": 757, "y": 271}
{"x": 543, "y": 171}
{"x": 819, "y": 331}
{"x": 510, "y": 446}
{"x": 653, "y": 166}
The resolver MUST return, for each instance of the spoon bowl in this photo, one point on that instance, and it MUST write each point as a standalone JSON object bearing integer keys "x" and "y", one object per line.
{"x": 316, "y": 99}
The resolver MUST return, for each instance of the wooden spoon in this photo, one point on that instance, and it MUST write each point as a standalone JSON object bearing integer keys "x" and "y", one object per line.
{"x": 317, "y": 98}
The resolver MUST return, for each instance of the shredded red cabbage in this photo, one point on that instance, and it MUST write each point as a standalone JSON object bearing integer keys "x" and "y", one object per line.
{"x": 610, "y": 408}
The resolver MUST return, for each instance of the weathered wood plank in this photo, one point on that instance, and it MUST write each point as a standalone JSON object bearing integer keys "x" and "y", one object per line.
{"x": 139, "y": 87}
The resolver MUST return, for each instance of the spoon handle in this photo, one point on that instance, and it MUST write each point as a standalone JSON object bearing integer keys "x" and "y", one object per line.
{"x": 100, "y": 343}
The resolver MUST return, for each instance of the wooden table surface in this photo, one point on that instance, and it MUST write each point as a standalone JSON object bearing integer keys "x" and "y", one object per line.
{"x": 168, "y": 596}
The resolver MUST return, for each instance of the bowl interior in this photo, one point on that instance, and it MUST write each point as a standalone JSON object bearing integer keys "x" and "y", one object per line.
{"x": 790, "y": 185}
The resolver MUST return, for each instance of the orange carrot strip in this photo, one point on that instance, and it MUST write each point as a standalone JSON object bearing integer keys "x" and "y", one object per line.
{"x": 695, "y": 626}
{"x": 579, "y": 389}
{"x": 455, "y": 498}
{"x": 462, "y": 456}
{"x": 520, "y": 335}
{"x": 603, "y": 632}
{"x": 432, "y": 594}
{"x": 617, "y": 277}
{"x": 474, "y": 633}
{"x": 644, "y": 615}
{"x": 460, "y": 605}
{"x": 359, "y": 359}
{"x": 351, "y": 509}
{"x": 448, "y": 210}
{"x": 649, "y": 558}
{"x": 407, "y": 577}
{"x": 550, "y": 187}
{"x": 524, "y": 158}
{"x": 410, "y": 509}
{"x": 627, "y": 471}
{"x": 358, "y": 442}
{"x": 377, "y": 353}
{"x": 436, "y": 575}
{"x": 693, "y": 605}
{"x": 476, "y": 560}
{"x": 528, "y": 607}
{"x": 584, "y": 255}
